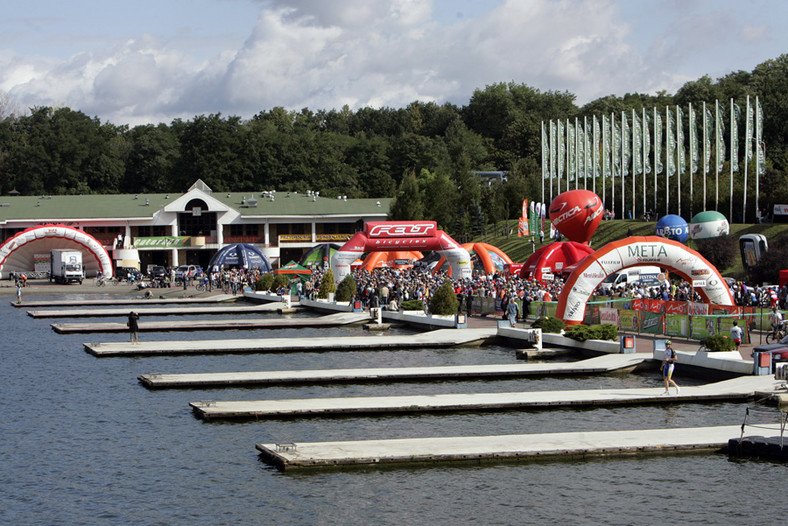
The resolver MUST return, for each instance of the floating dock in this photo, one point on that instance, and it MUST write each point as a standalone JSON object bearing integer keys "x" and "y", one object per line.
{"x": 156, "y": 311}
{"x": 742, "y": 388}
{"x": 598, "y": 365}
{"x": 581, "y": 444}
{"x": 120, "y": 300}
{"x": 331, "y": 320}
{"x": 432, "y": 339}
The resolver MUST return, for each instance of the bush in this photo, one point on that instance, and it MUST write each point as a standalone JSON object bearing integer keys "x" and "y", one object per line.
{"x": 265, "y": 281}
{"x": 346, "y": 289}
{"x": 327, "y": 285}
{"x": 280, "y": 280}
{"x": 581, "y": 333}
{"x": 547, "y": 324}
{"x": 444, "y": 300}
{"x": 413, "y": 305}
{"x": 719, "y": 343}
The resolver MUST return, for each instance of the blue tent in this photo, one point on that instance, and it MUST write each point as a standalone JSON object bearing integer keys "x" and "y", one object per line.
{"x": 240, "y": 255}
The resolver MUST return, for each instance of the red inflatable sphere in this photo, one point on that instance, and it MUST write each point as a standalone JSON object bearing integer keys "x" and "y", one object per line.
{"x": 576, "y": 214}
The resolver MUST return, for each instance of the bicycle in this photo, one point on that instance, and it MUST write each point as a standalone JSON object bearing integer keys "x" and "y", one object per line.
{"x": 775, "y": 336}
{"x": 100, "y": 281}
{"x": 200, "y": 287}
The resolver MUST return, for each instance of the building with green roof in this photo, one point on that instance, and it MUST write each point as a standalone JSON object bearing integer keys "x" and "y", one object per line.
{"x": 172, "y": 230}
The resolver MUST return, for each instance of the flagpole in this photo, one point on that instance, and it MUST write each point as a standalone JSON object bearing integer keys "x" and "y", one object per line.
{"x": 595, "y": 158}
{"x": 758, "y": 137}
{"x": 678, "y": 159}
{"x": 693, "y": 139}
{"x": 605, "y": 157}
{"x": 623, "y": 189}
{"x": 667, "y": 163}
{"x": 612, "y": 159}
{"x": 634, "y": 163}
{"x": 730, "y": 199}
{"x": 747, "y": 133}
{"x": 655, "y": 159}
{"x": 717, "y": 156}
{"x": 705, "y": 155}
{"x": 544, "y": 160}
{"x": 643, "y": 153}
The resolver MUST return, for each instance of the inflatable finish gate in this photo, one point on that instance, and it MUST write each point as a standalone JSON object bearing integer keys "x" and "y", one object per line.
{"x": 401, "y": 235}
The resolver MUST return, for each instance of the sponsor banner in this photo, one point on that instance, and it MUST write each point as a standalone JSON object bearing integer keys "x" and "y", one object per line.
{"x": 164, "y": 241}
{"x": 629, "y": 320}
{"x": 727, "y": 309}
{"x": 698, "y": 309}
{"x": 677, "y": 325}
{"x": 648, "y": 305}
{"x": 676, "y": 307}
{"x": 651, "y": 322}
{"x": 702, "y": 327}
{"x": 780, "y": 210}
{"x": 401, "y": 229}
{"x": 608, "y": 315}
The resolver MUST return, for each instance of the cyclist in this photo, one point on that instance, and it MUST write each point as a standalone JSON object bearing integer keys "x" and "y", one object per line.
{"x": 777, "y": 321}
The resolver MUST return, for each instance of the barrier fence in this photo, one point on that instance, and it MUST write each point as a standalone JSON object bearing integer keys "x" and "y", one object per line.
{"x": 688, "y": 320}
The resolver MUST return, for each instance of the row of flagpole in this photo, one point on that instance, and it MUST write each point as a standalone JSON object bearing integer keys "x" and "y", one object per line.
{"x": 604, "y": 151}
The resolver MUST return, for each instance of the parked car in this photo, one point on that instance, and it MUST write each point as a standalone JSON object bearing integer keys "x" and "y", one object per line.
{"x": 157, "y": 271}
{"x": 128, "y": 274}
{"x": 187, "y": 272}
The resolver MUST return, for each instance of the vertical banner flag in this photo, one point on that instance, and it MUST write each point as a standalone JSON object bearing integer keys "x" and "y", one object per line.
{"x": 595, "y": 149}
{"x": 637, "y": 145}
{"x": 545, "y": 155}
{"x": 625, "y": 144}
{"x": 735, "y": 118}
{"x": 522, "y": 224}
{"x": 552, "y": 157}
{"x": 671, "y": 143}
{"x": 606, "y": 170}
{"x": 759, "y": 137}
{"x": 693, "y": 141}
{"x": 571, "y": 146}
{"x": 682, "y": 163}
{"x": 561, "y": 153}
{"x": 748, "y": 132}
{"x": 587, "y": 148}
{"x": 534, "y": 210}
{"x": 658, "y": 166}
{"x": 708, "y": 132}
{"x": 646, "y": 143}
{"x": 719, "y": 110}
{"x": 581, "y": 150}
{"x": 616, "y": 150}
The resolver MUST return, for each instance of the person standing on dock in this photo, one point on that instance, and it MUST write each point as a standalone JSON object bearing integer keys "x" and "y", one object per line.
{"x": 668, "y": 364}
{"x": 512, "y": 311}
{"x": 134, "y": 327}
{"x": 18, "y": 291}
{"x": 736, "y": 334}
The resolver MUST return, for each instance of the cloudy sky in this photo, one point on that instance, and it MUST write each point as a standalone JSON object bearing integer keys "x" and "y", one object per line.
{"x": 156, "y": 60}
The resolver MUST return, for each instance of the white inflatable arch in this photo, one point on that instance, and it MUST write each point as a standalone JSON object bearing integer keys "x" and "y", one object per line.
{"x": 632, "y": 252}
{"x": 17, "y": 253}
{"x": 401, "y": 235}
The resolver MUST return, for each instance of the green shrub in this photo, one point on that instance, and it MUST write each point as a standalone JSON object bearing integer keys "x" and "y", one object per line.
{"x": 581, "y": 333}
{"x": 327, "y": 285}
{"x": 547, "y": 324}
{"x": 719, "y": 343}
{"x": 346, "y": 289}
{"x": 413, "y": 305}
{"x": 444, "y": 300}
{"x": 280, "y": 280}
{"x": 265, "y": 281}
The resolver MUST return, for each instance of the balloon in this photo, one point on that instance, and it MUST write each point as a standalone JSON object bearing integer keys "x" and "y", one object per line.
{"x": 673, "y": 227}
{"x": 576, "y": 214}
{"x": 709, "y": 224}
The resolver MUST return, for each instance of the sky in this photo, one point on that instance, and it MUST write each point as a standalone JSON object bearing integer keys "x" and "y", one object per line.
{"x": 152, "y": 61}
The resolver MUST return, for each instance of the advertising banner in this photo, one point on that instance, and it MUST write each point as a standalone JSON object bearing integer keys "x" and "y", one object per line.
{"x": 651, "y": 322}
{"x": 702, "y": 327}
{"x": 725, "y": 325}
{"x": 676, "y": 307}
{"x": 608, "y": 315}
{"x": 677, "y": 325}
{"x": 629, "y": 320}
{"x": 161, "y": 242}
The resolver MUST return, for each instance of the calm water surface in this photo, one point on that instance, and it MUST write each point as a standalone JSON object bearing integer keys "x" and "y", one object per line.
{"x": 81, "y": 442}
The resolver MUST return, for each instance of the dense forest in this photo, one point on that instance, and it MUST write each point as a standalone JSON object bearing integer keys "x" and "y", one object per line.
{"x": 422, "y": 154}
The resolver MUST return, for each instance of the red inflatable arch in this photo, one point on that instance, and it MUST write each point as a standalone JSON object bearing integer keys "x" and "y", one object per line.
{"x": 632, "y": 252}
{"x": 401, "y": 236}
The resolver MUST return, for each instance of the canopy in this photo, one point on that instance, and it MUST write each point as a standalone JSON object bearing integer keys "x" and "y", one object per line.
{"x": 294, "y": 270}
{"x": 393, "y": 259}
{"x": 318, "y": 254}
{"x": 240, "y": 255}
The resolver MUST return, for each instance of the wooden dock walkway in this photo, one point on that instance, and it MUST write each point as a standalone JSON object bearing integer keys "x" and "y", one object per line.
{"x": 580, "y": 444}
{"x": 120, "y": 300}
{"x": 741, "y": 388}
{"x": 156, "y": 311}
{"x": 331, "y": 320}
{"x": 437, "y": 338}
{"x": 598, "y": 365}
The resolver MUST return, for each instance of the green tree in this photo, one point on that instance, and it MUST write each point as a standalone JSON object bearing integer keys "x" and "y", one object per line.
{"x": 346, "y": 288}
{"x": 407, "y": 205}
{"x": 327, "y": 285}
{"x": 444, "y": 301}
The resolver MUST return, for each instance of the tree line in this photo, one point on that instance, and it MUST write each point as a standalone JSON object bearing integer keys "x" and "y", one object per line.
{"x": 423, "y": 154}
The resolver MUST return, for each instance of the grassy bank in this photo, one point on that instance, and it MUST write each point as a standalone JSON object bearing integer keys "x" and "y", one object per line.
{"x": 519, "y": 248}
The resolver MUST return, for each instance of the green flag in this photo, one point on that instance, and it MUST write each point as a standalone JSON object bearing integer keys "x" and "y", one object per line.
{"x": 625, "y": 139}
{"x": 647, "y": 143}
{"x": 616, "y": 150}
{"x": 759, "y": 137}
{"x": 693, "y": 140}
{"x": 719, "y": 110}
{"x": 709, "y": 133}
{"x": 671, "y": 144}
{"x": 658, "y": 144}
{"x": 561, "y": 151}
{"x": 736, "y": 115}
{"x": 570, "y": 145}
{"x": 637, "y": 145}
{"x": 606, "y": 146}
{"x": 682, "y": 162}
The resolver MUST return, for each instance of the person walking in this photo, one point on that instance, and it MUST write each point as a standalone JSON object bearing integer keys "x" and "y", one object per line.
{"x": 512, "y": 311}
{"x": 134, "y": 327}
{"x": 668, "y": 365}
{"x": 736, "y": 334}
{"x": 19, "y": 291}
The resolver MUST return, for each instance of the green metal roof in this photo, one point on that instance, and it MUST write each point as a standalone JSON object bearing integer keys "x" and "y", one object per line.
{"x": 121, "y": 206}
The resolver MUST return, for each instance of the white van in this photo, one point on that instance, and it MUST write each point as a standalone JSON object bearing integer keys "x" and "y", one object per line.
{"x": 646, "y": 276}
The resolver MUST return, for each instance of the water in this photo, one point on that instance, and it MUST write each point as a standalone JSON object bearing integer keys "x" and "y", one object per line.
{"x": 81, "y": 442}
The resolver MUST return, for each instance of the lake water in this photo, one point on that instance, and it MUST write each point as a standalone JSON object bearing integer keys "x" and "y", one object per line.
{"x": 82, "y": 442}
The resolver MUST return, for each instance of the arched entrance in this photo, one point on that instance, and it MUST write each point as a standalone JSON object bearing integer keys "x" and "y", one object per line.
{"x": 17, "y": 253}
{"x": 632, "y": 252}
{"x": 398, "y": 236}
